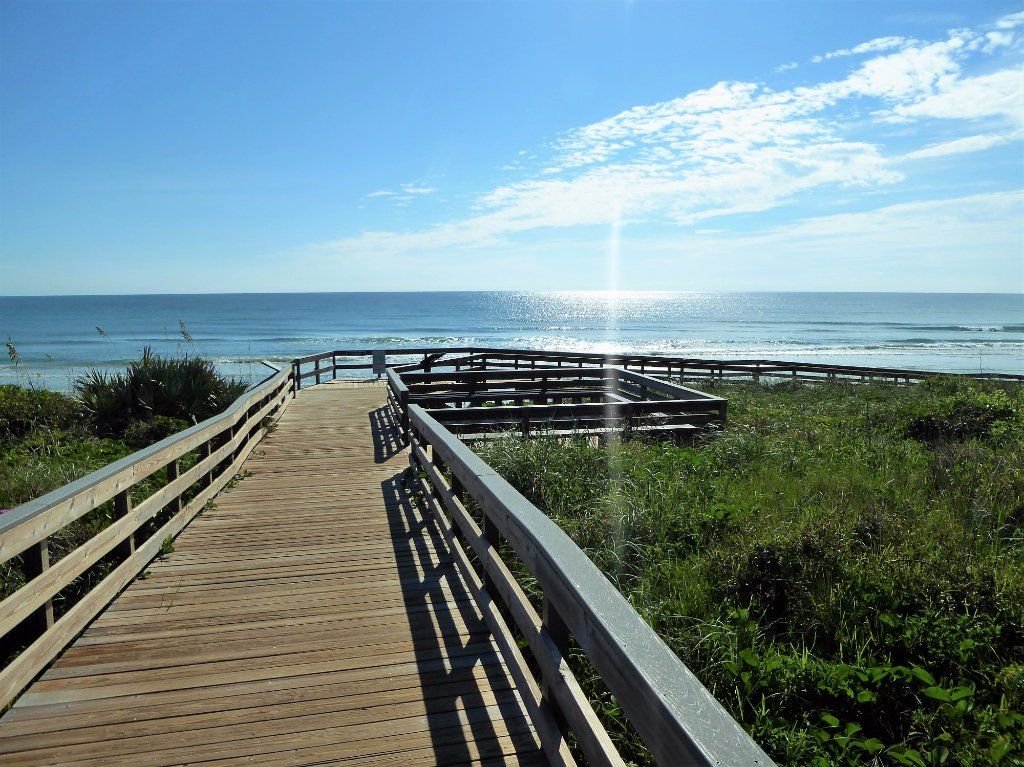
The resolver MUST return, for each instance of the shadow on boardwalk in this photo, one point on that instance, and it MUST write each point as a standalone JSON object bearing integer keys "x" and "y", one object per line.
{"x": 387, "y": 442}
{"x": 460, "y": 671}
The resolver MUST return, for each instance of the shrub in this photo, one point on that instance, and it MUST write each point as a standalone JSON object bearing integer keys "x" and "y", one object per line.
{"x": 185, "y": 388}
{"x": 965, "y": 414}
{"x": 24, "y": 410}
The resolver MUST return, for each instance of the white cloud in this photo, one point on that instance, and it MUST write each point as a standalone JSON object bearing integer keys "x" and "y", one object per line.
{"x": 913, "y": 72}
{"x": 997, "y": 39}
{"x": 1010, "y": 21}
{"x": 738, "y": 148}
{"x": 871, "y": 46}
{"x": 786, "y": 67}
{"x": 408, "y": 192}
{"x": 949, "y": 244}
{"x": 1000, "y": 94}
{"x": 952, "y": 222}
{"x": 417, "y": 189}
{"x": 977, "y": 143}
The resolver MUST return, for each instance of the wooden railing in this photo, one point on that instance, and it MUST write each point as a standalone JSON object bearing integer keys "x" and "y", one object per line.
{"x": 216, "y": 449}
{"x": 326, "y": 365}
{"x": 316, "y": 366}
{"x": 677, "y": 718}
{"x": 684, "y": 367}
{"x": 558, "y": 401}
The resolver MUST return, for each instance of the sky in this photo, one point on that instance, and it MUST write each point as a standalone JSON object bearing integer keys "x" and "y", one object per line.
{"x": 180, "y": 147}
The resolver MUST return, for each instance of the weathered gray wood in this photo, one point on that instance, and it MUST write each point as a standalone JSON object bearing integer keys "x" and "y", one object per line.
{"x": 674, "y": 714}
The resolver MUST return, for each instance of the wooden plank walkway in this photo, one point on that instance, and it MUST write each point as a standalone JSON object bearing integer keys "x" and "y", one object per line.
{"x": 313, "y": 617}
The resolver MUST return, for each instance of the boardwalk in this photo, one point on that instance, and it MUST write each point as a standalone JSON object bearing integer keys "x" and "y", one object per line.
{"x": 312, "y": 617}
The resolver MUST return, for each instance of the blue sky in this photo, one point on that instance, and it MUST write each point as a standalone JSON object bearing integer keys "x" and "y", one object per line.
{"x": 212, "y": 147}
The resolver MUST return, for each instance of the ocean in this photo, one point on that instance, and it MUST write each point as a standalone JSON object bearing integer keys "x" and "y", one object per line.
{"x": 58, "y": 338}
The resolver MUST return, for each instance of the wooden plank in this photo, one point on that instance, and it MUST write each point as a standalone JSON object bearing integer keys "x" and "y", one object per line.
{"x": 62, "y": 732}
{"x": 301, "y": 620}
{"x": 360, "y": 729}
{"x": 23, "y": 668}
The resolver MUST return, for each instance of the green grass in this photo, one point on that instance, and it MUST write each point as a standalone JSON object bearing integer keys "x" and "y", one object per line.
{"x": 842, "y": 565}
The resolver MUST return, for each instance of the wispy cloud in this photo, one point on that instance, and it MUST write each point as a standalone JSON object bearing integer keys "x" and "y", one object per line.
{"x": 786, "y": 67}
{"x": 742, "y": 148}
{"x": 406, "y": 192}
{"x": 871, "y": 46}
{"x": 417, "y": 189}
{"x": 964, "y": 145}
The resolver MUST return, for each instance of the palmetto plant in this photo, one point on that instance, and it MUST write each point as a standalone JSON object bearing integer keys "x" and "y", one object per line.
{"x": 186, "y": 388}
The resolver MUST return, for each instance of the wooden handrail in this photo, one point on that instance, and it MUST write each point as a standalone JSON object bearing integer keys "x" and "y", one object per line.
{"x": 224, "y": 441}
{"x": 666, "y": 365}
{"x": 677, "y": 718}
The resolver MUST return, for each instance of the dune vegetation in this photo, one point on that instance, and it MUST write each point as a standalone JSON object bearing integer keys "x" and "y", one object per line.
{"x": 842, "y": 565}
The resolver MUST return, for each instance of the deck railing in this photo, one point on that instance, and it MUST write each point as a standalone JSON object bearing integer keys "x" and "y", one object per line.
{"x": 327, "y": 365}
{"x": 216, "y": 449}
{"x": 672, "y": 712}
{"x": 474, "y": 404}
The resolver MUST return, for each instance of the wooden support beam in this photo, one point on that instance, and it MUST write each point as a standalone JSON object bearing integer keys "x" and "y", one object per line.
{"x": 35, "y": 561}
{"x": 122, "y": 508}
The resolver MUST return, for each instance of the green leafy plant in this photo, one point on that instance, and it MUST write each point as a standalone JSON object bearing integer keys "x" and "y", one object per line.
{"x": 184, "y": 388}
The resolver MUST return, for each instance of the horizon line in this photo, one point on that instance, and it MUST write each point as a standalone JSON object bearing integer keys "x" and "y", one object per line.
{"x": 523, "y": 290}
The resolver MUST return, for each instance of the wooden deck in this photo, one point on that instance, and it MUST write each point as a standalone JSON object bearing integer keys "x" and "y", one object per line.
{"x": 312, "y": 617}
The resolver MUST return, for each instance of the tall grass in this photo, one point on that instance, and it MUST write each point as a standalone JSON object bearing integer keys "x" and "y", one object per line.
{"x": 843, "y": 565}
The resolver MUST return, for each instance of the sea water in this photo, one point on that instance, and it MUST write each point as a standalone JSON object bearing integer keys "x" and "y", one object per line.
{"x": 58, "y": 338}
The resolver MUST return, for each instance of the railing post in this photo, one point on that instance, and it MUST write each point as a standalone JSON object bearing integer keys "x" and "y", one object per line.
{"x": 298, "y": 375}
{"x": 35, "y": 561}
{"x": 552, "y": 623}
{"x": 122, "y": 508}
{"x": 426, "y": 363}
{"x": 205, "y": 451}
{"x": 334, "y": 367}
{"x": 490, "y": 532}
{"x": 173, "y": 468}
{"x": 403, "y": 402}
{"x": 317, "y": 369}
{"x": 237, "y": 429}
